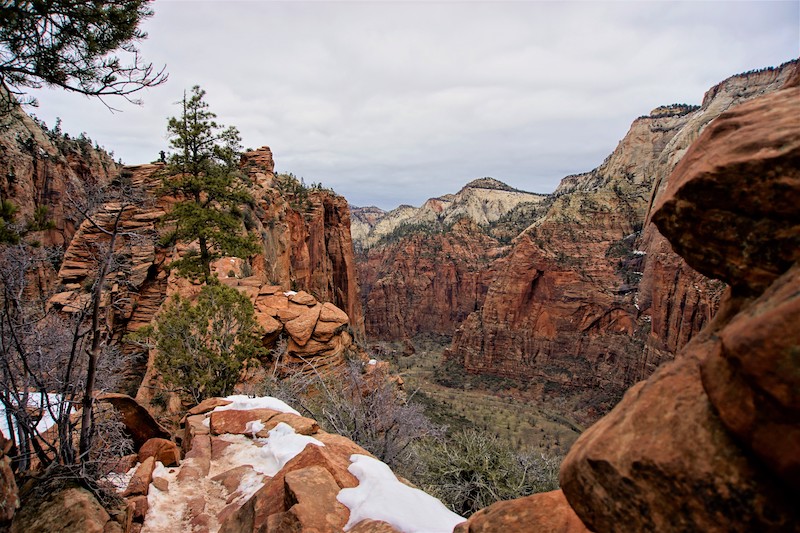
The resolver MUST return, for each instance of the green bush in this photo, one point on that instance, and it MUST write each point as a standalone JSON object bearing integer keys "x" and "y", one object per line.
{"x": 471, "y": 470}
{"x": 202, "y": 345}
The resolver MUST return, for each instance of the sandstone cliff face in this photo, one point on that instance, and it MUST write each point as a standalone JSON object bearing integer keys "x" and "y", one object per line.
{"x": 39, "y": 168}
{"x": 709, "y": 442}
{"x": 304, "y": 247}
{"x": 427, "y": 283}
{"x": 425, "y": 270}
{"x": 482, "y": 201}
{"x": 587, "y": 303}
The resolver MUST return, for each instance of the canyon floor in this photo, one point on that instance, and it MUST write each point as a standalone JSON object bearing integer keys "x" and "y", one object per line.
{"x": 497, "y": 406}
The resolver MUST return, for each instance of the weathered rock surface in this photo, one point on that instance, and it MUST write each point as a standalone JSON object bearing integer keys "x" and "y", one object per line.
{"x": 42, "y": 168}
{"x": 73, "y": 510}
{"x": 427, "y": 283}
{"x": 9, "y": 495}
{"x": 221, "y": 484}
{"x": 585, "y": 305}
{"x": 709, "y": 442}
{"x": 546, "y": 512}
{"x": 732, "y": 211}
{"x": 140, "y": 424}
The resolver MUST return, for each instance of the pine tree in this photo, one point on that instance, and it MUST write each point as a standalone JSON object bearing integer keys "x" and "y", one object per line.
{"x": 203, "y": 173}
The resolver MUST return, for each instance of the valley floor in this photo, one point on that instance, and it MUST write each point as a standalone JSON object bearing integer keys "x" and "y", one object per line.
{"x": 493, "y": 405}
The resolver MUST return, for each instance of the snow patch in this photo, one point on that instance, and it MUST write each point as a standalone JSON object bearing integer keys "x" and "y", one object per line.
{"x": 267, "y": 456}
{"x": 380, "y": 496}
{"x": 373, "y": 362}
{"x": 639, "y": 252}
{"x": 253, "y": 427}
{"x": 34, "y": 401}
{"x": 289, "y": 293}
{"x": 246, "y": 403}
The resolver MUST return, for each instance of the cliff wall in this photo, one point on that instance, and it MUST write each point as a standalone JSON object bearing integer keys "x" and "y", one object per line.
{"x": 591, "y": 298}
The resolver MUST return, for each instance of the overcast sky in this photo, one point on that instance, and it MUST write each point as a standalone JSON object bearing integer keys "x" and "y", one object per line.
{"x": 395, "y": 102}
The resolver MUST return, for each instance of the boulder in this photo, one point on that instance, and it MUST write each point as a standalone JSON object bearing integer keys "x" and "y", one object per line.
{"x": 138, "y": 421}
{"x": 311, "y": 492}
{"x": 546, "y": 512}
{"x": 300, "y": 424}
{"x": 752, "y": 378}
{"x": 140, "y": 482}
{"x": 662, "y": 460}
{"x": 730, "y": 209}
{"x": 235, "y": 421}
{"x": 162, "y": 450}
{"x": 301, "y": 327}
{"x": 73, "y": 510}
{"x": 271, "y": 499}
{"x": 303, "y": 298}
{"x": 331, "y": 313}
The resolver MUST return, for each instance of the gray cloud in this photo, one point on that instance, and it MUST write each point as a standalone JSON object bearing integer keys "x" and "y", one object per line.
{"x": 395, "y": 102}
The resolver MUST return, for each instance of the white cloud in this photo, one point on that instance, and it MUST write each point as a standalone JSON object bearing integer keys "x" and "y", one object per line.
{"x": 395, "y": 102}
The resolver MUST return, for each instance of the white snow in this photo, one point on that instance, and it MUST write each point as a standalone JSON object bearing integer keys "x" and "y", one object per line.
{"x": 242, "y": 402}
{"x": 267, "y": 456}
{"x": 289, "y": 293}
{"x": 639, "y": 252}
{"x": 253, "y": 427}
{"x": 165, "y": 509}
{"x": 373, "y": 362}
{"x": 380, "y": 496}
{"x": 34, "y": 400}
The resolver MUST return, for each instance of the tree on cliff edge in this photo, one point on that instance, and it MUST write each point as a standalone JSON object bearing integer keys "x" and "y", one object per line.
{"x": 203, "y": 173}
{"x": 71, "y": 45}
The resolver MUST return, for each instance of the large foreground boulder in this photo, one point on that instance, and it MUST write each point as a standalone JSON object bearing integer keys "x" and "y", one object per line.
{"x": 711, "y": 442}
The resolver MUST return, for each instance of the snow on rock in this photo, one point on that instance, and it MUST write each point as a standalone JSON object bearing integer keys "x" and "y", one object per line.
{"x": 380, "y": 496}
{"x": 267, "y": 456}
{"x": 240, "y": 402}
{"x": 34, "y": 401}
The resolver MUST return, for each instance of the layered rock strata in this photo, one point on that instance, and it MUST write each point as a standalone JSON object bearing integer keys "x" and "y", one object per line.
{"x": 304, "y": 246}
{"x": 423, "y": 270}
{"x": 46, "y": 169}
{"x": 591, "y": 298}
{"x": 710, "y": 441}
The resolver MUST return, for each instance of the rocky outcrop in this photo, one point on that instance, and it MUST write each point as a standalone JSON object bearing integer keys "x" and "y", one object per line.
{"x": 255, "y": 464}
{"x": 709, "y": 442}
{"x": 305, "y": 245}
{"x": 546, "y": 512}
{"x": 70, "y": 510}
{"x": 42, "y": 168}
{"x": 427, "y": 283}
{"x": 424, "y": 270}
{"x": 591, "y": 299}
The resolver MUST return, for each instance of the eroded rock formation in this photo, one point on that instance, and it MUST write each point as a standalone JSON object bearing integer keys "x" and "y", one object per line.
{"x": 45, "y": 169}
{"x": 305, "y": 246}
{"x": 591, "y": 299}
{"x": 423, "y": 270}
{"x": 710, "y": 441}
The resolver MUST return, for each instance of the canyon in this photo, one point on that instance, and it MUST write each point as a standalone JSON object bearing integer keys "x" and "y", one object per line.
{"x": 655, "y": 295}
{"x": 588, "y": 298}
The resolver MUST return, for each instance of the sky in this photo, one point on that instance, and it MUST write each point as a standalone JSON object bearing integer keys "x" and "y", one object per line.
{"x": 391, "y": 103}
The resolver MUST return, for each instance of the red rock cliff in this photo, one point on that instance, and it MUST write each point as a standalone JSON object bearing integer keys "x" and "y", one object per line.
{"x": 586, "y": 304}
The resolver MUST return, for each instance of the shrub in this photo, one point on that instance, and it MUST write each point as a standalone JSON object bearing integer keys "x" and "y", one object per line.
{"x": 202, "y": 346}
{"x": 472, "y": 470}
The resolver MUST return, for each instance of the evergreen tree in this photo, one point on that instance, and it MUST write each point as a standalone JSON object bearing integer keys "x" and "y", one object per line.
{"x": 203, "y": 173}
{"x": 202, "y": 346}
{"x": 71, "y": 45}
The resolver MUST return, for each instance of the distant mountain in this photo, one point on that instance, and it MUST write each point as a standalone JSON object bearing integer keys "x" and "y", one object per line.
{"x": 482, "y": 201}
